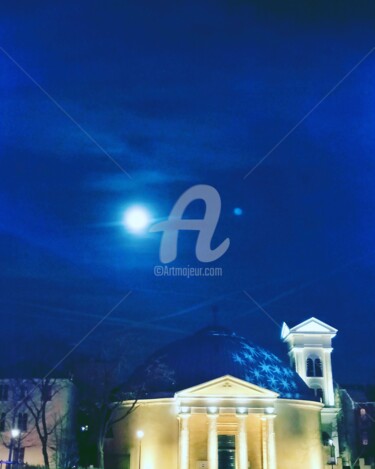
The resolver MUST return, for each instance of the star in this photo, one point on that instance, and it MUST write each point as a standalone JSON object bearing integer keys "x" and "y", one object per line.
{"x": 266, "y": 368}
{"x": 266, "y": 355}
{"x": 272, "y": 381}
{"x": 248, "y": 357}
{"x": 237, "y": 358}
{"x": 285, "y": 384}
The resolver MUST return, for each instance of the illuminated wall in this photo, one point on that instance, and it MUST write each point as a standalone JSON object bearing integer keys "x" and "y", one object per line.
{"x": 158, "y": 420}
{"x": 297, "y": 434}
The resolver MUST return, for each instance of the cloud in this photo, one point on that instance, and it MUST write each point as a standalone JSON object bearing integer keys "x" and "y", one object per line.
{"x": 117, "y": 182}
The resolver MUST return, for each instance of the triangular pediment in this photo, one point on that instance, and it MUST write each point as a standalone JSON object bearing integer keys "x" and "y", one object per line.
{"x": 227, "y": 387}
{"x": 313, "y": 325}
{"x": 284, "y": 330}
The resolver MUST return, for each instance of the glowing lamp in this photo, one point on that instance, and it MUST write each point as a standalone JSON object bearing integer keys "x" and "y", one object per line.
{"x": 15, "y": 432}
{"x": 140, "y": 434}
{"x": 241, "y": 410}
{"x": 212, "y": 410}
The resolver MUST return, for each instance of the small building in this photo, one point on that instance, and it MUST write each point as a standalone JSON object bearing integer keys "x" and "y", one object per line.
{"x": 37, "y": 421}
{"x": 357, "y": 424}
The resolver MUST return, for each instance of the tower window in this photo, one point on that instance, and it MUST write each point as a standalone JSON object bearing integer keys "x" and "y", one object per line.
{"x": 318, "y": 367}
{"x": 314, "y": 367}
{"x": 310, "y": 367}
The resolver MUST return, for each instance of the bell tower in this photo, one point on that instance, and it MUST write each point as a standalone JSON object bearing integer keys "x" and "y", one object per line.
{"x": 310, "y": 349}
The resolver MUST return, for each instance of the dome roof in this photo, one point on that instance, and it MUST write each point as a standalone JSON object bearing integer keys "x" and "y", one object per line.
{"x": 212, "y": 353}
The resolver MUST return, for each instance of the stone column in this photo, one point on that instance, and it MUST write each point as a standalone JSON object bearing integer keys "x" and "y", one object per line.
{"x": 329, "y": 396}
{"x": 212, "y": 449}
{"x": 271, "y": 442}
{"x": 242, "y": 456}
{"x": 264, "y": 443}
{"x": 184, "y": 442}
{"x": 335, "y": 436}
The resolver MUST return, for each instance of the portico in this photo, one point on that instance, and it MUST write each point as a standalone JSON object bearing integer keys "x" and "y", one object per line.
{"x": 228, "y": 407}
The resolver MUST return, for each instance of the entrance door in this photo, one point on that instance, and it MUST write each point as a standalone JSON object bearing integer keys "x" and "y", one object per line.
{"x": 227, "y": 451}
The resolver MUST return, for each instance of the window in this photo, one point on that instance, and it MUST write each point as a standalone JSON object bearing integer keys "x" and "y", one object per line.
{"x": 318, "y": 367}
{"x": 310, "y": 367}
{"x": 22, "y": 422}
{"x": 22, "y": 393}
{"x": 4, "y": 391}
{"x": 47, "y": 392}
{"x": 319, "y": 394}
{"x": 19, "y": 455}
{"x": 325, "y": 438}
{"x": 3, "y": 418}
{"x": 314, "y": 367}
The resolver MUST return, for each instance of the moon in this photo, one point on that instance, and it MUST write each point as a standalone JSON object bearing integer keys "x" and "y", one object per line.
{"x": 137, "y": 219}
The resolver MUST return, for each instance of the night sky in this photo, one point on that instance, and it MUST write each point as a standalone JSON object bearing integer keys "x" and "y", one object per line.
{"x": 178, "y": 95}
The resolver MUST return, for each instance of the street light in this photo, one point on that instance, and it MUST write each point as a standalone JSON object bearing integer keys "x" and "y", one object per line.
{"x": 14, "y": 433}
{"x": 332, "y": 459}
{"x": 140, "y": 435}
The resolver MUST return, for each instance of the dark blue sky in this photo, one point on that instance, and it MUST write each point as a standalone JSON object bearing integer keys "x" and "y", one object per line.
{"x": 184, "y": 95}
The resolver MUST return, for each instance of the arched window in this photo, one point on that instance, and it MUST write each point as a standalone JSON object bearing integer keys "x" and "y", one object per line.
{"x": 314, "y": 367}
{"x": 309, "y": 367}
{"x": 318, "y": 367}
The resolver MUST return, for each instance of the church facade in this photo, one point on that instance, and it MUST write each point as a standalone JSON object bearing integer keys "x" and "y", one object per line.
{"x": 217, "y": 401}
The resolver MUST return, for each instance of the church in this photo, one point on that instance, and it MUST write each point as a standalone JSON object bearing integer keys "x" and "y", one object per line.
{"x": 214, "y": 400}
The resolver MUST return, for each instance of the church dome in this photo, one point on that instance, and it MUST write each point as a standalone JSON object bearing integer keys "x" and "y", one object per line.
{"x": 211, "y": 353}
